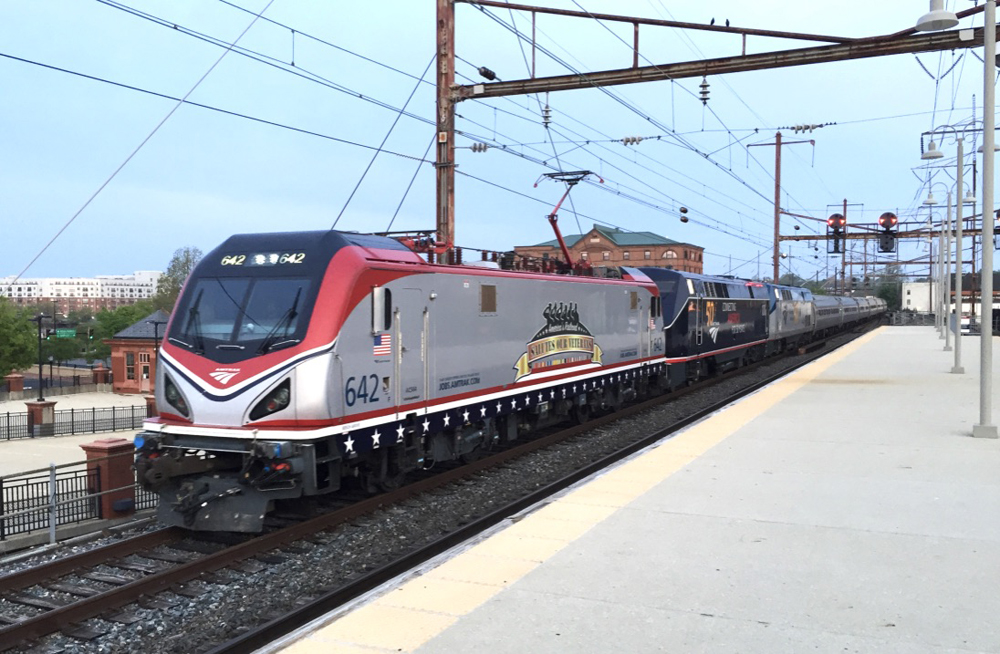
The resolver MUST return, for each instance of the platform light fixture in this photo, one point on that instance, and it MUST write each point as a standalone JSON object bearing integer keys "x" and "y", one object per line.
{"x": 932, "y": 152}
{"x": 937, "y": 18}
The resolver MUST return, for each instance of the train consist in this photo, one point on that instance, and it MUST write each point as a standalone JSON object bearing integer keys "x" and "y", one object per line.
{"x": 296, "y": 361}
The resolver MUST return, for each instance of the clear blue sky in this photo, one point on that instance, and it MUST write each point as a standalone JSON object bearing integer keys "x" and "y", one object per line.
{"x": 206, "y": 174}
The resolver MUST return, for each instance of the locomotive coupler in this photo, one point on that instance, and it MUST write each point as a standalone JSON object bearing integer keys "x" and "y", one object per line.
{"x": 192, "y": 501}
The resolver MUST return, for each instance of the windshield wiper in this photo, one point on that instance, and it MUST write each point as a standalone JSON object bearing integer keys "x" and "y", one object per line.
{"x": 285, "y": 321}
{"x": 194, "y": 320}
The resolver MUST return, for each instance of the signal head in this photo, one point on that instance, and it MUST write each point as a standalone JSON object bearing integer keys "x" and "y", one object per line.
{"x": 836, "y": 220}
{"x": 888, "y": 220}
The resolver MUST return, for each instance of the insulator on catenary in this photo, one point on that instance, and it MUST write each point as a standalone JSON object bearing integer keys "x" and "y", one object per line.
{"x": 703, "y": 93}
{"x": 487, "y": 73}
{"x": 480, "y": 147}
{"x": 632, "y": 140}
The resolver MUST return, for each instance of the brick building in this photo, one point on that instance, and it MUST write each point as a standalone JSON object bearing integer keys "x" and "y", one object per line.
{"x": 77, "y": 293}
{"x": 607, "y": 246}
{"x": 133, "y": 354}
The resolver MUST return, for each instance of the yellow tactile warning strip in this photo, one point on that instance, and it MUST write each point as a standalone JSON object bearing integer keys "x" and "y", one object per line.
{"x": 411, "y": 614}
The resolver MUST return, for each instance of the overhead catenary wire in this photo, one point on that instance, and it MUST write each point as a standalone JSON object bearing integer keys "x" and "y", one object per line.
{"x": 144, "y": 141}
{"x": 208, "y": 107}
{"x": 272, "y": 61}
{"x": 382, "y": 144}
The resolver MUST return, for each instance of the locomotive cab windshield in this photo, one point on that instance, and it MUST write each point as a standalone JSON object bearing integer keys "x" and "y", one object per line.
{"x": 233, "y": 318}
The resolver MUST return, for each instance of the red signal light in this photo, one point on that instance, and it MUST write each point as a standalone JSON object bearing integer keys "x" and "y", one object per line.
{"x": 888, "y": 220}
{"x": 837, "y": 221}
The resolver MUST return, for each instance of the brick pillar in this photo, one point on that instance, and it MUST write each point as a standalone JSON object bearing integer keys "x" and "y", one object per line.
{"x": 42, "y": 417}
{"x": 113, "y": 457}
{"x": 15, "y": 382}
{"x": 100, "y": 373}
{"x": 151, "y": 411}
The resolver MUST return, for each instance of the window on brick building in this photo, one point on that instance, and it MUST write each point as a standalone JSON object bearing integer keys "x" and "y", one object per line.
{"x": 607, "y": 255}
{"x": 130, "y": 365}
{"x": 647, "y": 255}
{"x": 626, "y": 255}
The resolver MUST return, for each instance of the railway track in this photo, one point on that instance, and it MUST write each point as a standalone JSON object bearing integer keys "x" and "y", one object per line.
{"x": 169, "y": 559}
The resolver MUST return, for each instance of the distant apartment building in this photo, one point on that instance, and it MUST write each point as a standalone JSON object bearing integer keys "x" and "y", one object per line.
{"x": 79, "y": 293}
{"x": 606, "y": 246}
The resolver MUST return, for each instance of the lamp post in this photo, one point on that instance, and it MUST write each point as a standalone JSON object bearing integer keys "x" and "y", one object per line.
{"x": 985, "y": 427}
{"x": 957, "y": 368}
{"x": 38, "y": 319}
{"x": 156, "y": 330}
{"x": 938, "y": 19}
{"x": 940, "y": 307}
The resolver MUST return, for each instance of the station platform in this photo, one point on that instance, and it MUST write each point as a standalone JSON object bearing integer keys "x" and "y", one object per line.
{"x": 844, "y": 508}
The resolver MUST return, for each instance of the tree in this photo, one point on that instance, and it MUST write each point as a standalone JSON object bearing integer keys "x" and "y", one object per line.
{"x": 169, "y": 286}
{"x": 18, "y": 339}
{"x": 888, "y": 286}
{"x": 791, "y": 279}
{"x": 60, "y": 349}
{"x": 110, "y": 323}
{"x": 816, "y": 287}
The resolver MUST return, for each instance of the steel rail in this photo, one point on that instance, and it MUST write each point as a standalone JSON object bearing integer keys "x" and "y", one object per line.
{"x": 86, "y": 608}
{"x": 259, "y": 637}
{"x": 70, "y": 564}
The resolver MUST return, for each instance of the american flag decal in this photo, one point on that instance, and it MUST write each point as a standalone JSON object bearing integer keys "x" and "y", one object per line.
{"x": 383, "y": 345}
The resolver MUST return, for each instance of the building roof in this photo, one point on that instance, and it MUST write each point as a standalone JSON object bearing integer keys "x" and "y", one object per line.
{"x": 616, "y": 236}
{"x": 145, "y": 329}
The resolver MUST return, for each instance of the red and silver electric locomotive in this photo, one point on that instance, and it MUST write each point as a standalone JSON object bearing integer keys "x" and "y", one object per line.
{"x": 295, "y": 361}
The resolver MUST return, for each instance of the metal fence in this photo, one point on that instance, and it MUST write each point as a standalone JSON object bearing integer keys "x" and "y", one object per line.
{"x": 44, "y": 499}
{"x": 74, "y": 421}
{"x": 14, "y": 425}
{"x": 59, "y": 495}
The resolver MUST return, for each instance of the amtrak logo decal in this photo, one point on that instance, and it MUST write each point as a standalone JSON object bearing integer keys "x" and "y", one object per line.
{"x": 564, "y": 340}
{"x": 224, "y": 375}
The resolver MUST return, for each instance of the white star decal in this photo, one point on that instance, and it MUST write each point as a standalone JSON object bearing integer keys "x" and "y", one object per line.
{"x": 447, "y": 419}
{"x": 564, "y": 393}
{"x": 482, "y": 411}
{"x": 574, "y": 388}
{"x": 465, "y": 415}
{"x": 349, "y": 444}
{"x": 540, "y": 397}
{"x": 427, "y": 424}
{"x": 552, "y": 394}
{"x": 527, "y": 400}
{"x": 499, "y": 406}
{"x": 513, "y": 403}
{"x": 375, "y": 437}
{"x": 399, "y": 434}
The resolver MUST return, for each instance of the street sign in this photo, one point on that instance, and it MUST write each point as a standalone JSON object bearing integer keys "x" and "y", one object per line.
{"x": 66, "y": 332}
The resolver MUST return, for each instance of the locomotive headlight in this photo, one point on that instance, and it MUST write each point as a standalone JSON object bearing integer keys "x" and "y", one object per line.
{"x": 275, "y": 401}
{"x": 174, "y": 397}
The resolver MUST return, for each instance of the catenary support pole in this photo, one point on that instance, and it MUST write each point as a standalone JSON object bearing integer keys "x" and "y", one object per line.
{"x": 985, "y": 428}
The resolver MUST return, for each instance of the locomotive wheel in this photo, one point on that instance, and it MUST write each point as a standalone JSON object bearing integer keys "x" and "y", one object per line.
{"x": 580, "y": 413}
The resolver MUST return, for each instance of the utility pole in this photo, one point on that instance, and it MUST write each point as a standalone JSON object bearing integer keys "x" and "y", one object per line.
{"x": 843, "y": 256}
{"x": 777, "y": 194}
{"x": 445, "y": 164}
{"x": 842, "y": 49}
